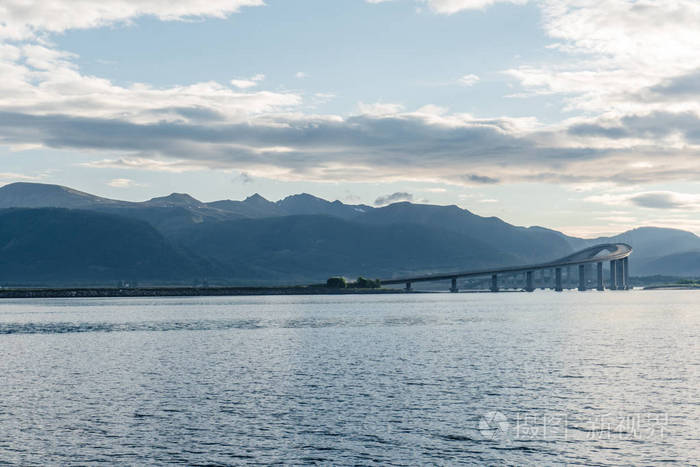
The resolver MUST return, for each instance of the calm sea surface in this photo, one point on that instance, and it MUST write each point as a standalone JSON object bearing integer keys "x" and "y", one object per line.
{"x": 543, "y": 378}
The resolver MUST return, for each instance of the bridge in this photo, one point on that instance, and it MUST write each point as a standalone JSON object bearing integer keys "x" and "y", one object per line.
{"x": 616, "y": 254}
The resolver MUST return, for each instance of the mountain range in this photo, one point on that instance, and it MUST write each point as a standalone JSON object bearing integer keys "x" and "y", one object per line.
{"x": 51, "y": 234}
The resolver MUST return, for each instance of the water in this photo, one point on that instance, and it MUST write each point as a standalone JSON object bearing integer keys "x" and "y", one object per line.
{"x": 543, "y": 378}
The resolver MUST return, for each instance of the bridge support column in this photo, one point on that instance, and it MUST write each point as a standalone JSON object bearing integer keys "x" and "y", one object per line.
{"x": 454, "y": 288}
{"x": 557, "y": 276}
{"x": 627, "y": 272}
{"x": 529, "y": 283}
{"x": 408, "y": 286}
{"x": 581, "y": 277}
{"x": 494, "y": 282}
{"x": 613, "y": 275}
{"x": 600, "y": 276}
{"x": 621, "y": 285}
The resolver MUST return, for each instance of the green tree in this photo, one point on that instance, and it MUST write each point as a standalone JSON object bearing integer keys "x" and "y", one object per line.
{"x": 336, "y": 283}
{"x": 363, "y": 283}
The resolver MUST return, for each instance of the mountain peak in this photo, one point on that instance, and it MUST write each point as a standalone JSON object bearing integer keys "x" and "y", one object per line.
{"x": 175, "y": 199}
{"x": 303, "y": 197}
{"x": 256, "y": 198}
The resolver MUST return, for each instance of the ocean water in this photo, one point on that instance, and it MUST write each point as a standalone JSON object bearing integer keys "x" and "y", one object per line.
{"x": 543, "y": 378}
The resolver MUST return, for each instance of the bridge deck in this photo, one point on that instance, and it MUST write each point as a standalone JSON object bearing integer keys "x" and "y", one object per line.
{"x": 615, "y": 251}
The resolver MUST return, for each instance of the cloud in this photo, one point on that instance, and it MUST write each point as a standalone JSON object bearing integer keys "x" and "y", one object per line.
{"x": 406, "y": 146}
{"x": 666, "y": 200}
{"x": 247, "y": 83}
{"x": 141, "y": 163}
{"x": 22, "y": 19}
{"x": 41, "y": 81}
{"x": 393, "y": 198}
{"x": 301, "y": 75}
{"x": 10, "y": 177}
{"x": 662, "y": 200}
{"x": 468, "y": 80}
{"x": 448, "y": 7}
{"x": 679, "y": 87}
{"x": 121, "y": 183}
{"x": 479, "y": 179}
{"x": 618, "y": 68}
{"x": 620, "y": 53}
{"x": 379, "y": 108}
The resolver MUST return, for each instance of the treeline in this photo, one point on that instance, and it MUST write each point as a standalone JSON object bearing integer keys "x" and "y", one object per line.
{"x": 360, "y": 283}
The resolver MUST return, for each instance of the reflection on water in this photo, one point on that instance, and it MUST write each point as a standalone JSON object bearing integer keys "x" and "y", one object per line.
{"x": 590, "y": 378}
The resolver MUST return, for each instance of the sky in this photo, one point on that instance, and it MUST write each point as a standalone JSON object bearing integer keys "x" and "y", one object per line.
{"x": 578, "y": 115}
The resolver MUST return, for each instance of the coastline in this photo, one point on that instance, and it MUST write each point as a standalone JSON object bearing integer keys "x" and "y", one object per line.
{"x": 97, "y": 292}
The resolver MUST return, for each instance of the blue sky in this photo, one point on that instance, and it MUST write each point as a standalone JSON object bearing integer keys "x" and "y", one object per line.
{"x": 579, "y": 115}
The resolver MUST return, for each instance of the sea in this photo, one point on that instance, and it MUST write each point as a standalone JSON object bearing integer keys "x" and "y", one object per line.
{"x": 543, "y": 378}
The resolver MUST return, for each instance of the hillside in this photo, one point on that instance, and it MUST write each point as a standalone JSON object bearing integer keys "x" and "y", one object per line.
{"x": 49, "y": 245}
{"x": 312, "y": 248}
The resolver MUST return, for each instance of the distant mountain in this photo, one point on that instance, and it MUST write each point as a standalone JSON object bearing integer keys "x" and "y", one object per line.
{"x": 525, "y": 244}
{"x": 254, "y": 206}
{"x": 308, "y": 204}
{"x": 38, "y": 195}
{"x": 303, "y": 237}
{"x": 60, "y": 246}
{"x": 312, "y": 248}
{"x": 175, "y": 200}
{"x": 677, "y": 264}
{"x": 654, "y": 247}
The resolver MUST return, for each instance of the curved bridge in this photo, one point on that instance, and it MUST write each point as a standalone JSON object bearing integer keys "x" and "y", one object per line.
{"x": 616, "y": 254}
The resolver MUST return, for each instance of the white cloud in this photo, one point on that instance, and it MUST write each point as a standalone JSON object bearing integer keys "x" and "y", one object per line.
{"x": 143, "y": 163}
{"x": 468, "y": 80}
{"x": 22, "y": 19}
{"x": 247, "y": 83}
{"x": 301, "y": 75}
{"x": 121, "y": 183}
{"x": 379, "y": 108}
{"x": 35, "y": 79}
{"x": 9, "y": 177}
{"x": 621, "y": 52}
{"x": 449, "y": 7}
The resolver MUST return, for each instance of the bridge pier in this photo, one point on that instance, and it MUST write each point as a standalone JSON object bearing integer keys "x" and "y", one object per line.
{"x": 621, "y": 285}
{"x": 494, "y": 282}
{"x": 454, "y": 288}
{"x": 626, "y": 264}
{"x": 408, "y": 286}
{"x": 557, "y": 280}
{"x": 529, "y": 283}
{"x": 613, "y": 275}
{"x": 581, "y": 277}
{"x": 601, "y": 287}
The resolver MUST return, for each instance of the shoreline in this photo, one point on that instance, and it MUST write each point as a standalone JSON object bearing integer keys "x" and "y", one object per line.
{"x": 98, "y": 292}
{"x": 114, "y": 292}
